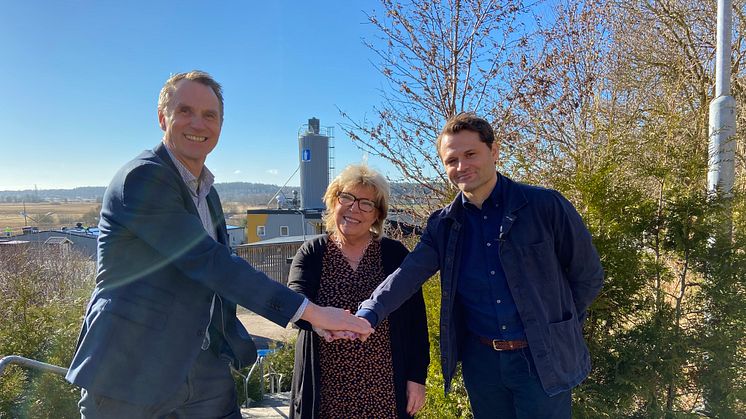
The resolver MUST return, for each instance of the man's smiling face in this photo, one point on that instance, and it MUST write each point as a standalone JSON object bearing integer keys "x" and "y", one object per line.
{"x": 191, "y": 122}
{"x": 470, "y": 163}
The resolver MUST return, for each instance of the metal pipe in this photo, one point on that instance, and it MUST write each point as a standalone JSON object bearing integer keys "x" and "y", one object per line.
{"x": 26, "y": 362}
{"x": 722, "y": 121}
{"x": 723, "y": 49}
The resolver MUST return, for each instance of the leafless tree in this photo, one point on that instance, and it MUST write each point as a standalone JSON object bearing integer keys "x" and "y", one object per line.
{"x": 439, "y": 58}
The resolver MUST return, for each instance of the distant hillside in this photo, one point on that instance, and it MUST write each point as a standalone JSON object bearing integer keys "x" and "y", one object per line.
{"x": 243, "y": 192}
{"x": 83, "y": 193}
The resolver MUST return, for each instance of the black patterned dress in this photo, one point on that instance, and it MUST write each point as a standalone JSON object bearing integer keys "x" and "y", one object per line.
{"x": 357, "y": 378}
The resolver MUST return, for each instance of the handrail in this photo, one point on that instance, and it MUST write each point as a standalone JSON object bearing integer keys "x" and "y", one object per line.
{"x": 261, "y": 355}
{"x": 31, "y": 363}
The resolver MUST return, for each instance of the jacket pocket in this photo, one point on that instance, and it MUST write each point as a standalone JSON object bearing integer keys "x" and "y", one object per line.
{"x": 539, "y": 261}
{"x": 568, "y": 349}
{"x": 138, "y": 312}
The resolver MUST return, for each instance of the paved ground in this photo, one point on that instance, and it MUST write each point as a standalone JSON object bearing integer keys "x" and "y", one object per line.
{"x": 274, "y": 406}
{"x": 263, "y": 330}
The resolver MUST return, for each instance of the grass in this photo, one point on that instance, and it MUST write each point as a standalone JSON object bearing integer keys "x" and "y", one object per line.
{"x": 59, "y": 214}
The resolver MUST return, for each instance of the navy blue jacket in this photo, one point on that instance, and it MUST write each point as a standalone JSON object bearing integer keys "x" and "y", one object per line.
{"x": 157, "y": 273}
{"x": 553, "y": 272}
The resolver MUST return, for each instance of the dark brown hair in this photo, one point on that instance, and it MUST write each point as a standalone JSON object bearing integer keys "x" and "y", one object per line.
{"x": 470, "y": 122}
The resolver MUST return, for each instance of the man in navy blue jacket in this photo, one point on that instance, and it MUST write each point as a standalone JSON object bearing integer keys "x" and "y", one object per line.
{"x": 518, "y": 272}
{"x": 161, "y": 330}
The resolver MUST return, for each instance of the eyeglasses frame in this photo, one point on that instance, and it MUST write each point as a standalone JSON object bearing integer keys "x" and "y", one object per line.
{"x": 356, "y": 199}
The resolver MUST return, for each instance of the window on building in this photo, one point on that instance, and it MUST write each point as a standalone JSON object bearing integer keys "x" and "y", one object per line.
{"x": 284, "y": 231}
{"x": 260, "y": 231}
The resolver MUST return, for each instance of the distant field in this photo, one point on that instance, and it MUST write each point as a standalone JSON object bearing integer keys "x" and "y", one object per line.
{"x": 56, "y": 215}
{"x": 47, "y": 214}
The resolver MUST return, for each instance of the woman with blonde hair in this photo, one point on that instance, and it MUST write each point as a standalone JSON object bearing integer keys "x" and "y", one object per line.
{"x": 383, "y": 377}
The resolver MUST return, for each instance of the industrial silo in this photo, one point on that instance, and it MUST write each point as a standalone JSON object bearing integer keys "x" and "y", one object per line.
{"x": 314, "y": 166}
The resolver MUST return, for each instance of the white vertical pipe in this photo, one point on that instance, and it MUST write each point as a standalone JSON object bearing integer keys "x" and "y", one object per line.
{"x": 722, "y": 122}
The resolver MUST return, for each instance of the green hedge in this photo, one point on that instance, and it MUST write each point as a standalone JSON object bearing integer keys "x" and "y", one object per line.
{"x": 42, "y": 298}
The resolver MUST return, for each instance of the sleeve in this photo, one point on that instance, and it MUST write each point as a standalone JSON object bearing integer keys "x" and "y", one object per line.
{"x": 577, "y": 255}
{"x": 149, "y": 206}
{"x": 305, "y": 274}
{"x": 417, "y": 267}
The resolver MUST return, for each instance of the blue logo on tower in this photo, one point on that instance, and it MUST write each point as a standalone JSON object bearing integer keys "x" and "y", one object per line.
{"x": 306, "y": 155}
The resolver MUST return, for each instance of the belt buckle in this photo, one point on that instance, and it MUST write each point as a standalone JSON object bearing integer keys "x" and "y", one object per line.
{"x": 494, "y": 345}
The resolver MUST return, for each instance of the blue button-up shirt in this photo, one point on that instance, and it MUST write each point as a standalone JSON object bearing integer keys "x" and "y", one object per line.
{"x": 488, "y": 306}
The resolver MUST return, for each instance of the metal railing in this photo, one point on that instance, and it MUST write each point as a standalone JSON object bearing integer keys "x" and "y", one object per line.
{"x": 30, "y": 363}
{"x": 274, "y": 378}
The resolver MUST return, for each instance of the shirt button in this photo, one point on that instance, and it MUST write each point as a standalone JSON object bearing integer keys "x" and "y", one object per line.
{"x": 489, "y": 244}
{"x": 499, "y": 301}
{"x": 503, "y": 327}
{"x": 492, "y": 272}
{"x": 485, "y": 217}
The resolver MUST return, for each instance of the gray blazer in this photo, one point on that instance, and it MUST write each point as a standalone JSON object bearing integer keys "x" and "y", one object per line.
{"x": 157, "y": 273}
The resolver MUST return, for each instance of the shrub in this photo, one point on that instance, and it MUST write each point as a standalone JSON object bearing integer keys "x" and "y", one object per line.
{"x": 279, "y": 361}
{"x": 42, "y": 297}
{"x": 282, "y": 360}
{"x": 438, "y": 404}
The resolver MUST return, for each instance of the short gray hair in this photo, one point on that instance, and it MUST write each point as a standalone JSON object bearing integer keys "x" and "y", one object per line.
{"x": 169, "y": 87}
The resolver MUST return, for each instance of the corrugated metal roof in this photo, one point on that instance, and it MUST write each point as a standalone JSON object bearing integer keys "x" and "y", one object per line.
{"x": 58, "y": 240}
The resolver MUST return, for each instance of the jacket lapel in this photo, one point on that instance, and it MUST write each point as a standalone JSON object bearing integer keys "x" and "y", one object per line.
{"x": 160, "y": 151}
{"x": 514, "y": 200}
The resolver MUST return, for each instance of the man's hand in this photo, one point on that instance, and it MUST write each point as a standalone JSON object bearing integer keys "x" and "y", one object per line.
{"x": 336, "y": 319}
{"x": 415, "y": 397}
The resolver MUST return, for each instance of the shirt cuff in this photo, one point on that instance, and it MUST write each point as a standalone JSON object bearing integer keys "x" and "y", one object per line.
{"x": 299, "y": 312}
{"x": 368, "y": 315}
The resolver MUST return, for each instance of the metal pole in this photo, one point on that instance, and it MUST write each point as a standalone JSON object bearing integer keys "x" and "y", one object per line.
{"x": 722, "y": 121}
{"x": 14, "y": 359}
{"x": 721, "y": 172}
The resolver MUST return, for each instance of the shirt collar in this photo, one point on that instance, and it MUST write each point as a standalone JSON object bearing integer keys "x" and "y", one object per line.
{"x": 197, "y": 186}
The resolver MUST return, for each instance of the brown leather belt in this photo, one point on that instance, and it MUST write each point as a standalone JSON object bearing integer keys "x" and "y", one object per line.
{"x": 503, "y": 345}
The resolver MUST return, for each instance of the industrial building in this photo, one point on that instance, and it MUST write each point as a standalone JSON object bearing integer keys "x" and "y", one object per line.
{"x": 300, "y": 215}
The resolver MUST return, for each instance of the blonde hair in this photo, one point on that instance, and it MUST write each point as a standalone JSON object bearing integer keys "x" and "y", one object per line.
{"x": 358, "y": 175}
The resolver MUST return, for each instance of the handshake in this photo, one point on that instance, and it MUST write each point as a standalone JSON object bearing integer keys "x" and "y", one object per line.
{"x": 335, "y": 323}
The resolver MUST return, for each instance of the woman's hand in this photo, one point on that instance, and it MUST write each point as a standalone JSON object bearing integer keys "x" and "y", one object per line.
{"x": 332, "y": 335}
{"x": 415, "y": 397}
{"x": 331, "y": 318}
{"x": 323, "y": 333}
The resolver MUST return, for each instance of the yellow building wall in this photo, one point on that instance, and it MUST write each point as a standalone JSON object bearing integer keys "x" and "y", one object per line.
{"x": 252, "y": 222}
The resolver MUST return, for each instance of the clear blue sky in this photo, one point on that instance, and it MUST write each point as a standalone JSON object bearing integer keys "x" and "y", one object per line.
{"x": 79, "y": 82}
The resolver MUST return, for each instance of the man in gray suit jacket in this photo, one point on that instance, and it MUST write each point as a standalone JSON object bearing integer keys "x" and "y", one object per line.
{"x": 161, "y": 330}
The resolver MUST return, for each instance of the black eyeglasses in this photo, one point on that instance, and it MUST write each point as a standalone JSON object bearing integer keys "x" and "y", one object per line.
{"x": 365, "y": 205}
